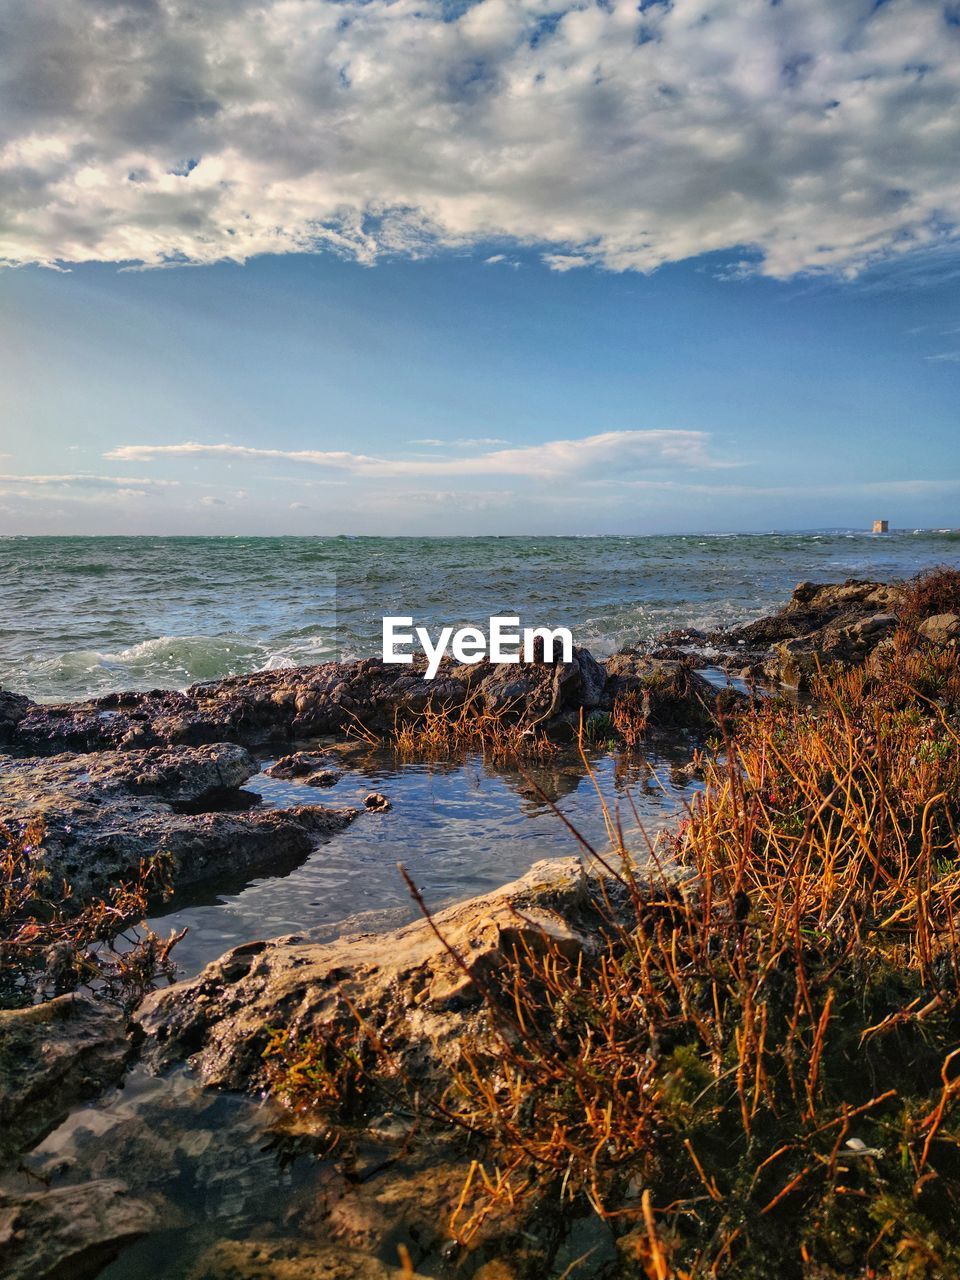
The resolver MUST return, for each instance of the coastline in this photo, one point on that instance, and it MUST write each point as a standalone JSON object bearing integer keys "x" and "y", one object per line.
{"x": 180, "y": 762}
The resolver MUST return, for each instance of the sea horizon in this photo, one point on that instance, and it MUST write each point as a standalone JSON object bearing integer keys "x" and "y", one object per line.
{"x": 169, "y": 610}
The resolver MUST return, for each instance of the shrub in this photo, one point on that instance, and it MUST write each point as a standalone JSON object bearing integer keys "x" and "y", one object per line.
{"x": 935, "y": 591}
{"x": 48, "y": 947}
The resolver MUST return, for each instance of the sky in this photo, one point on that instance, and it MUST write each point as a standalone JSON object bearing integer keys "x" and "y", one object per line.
{"x": 299, "y": 266}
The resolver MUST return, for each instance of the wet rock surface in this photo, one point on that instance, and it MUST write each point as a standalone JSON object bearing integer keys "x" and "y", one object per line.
{"x": 53, "y": 1055}
{"x": 13, "y": 707}
{"x": 406, "y": 980}
{"x": 309, "y": 767}
{"x": 70, "y": 1233}
{"x": 267, "y": 708}
{"x": 819, "y": 626}
{"x": 107, "y": 812}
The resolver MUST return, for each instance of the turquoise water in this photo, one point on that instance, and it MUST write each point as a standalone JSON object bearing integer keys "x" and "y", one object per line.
{"x": 80, "y": 616}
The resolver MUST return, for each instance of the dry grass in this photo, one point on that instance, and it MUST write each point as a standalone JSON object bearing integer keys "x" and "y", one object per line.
{"x": 761, "y": 1071}
{"x": 445, "y": 732}
{"x": 47, "y": 948}
{"x": 630, "y": 717}
{"x": 935, "y": 591}
{"x": 758, "y": 1072}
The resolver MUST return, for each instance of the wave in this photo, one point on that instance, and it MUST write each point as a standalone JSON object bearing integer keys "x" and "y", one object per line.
{"x": 159, "y": 662}
{"x": 79, "y": 617}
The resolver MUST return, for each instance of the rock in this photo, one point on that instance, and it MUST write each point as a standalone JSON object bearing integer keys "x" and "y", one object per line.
{"x": 671, "y": 692}
{"x": 107, "y": 812}
{"x": 53, "y": 1055}
{"x": 795, "y": 662}
{"x": 324, "y": 778}
{"x": 376, "y": 803}
{"x": 297, "y": 765}
{"x": 290, "y": 1260}
{"x": 825, "y": 624}
{"x": 391, "y": 1197}
{"x": 405, "y": 981}
{"x": 269, "y": 707}
{"x": 941, "y": 628}
{"x": 13, "y": 707}
{"x": 69, "y": 1233}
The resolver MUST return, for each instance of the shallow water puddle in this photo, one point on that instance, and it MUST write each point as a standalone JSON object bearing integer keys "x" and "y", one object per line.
{"x": 461, "y": 828}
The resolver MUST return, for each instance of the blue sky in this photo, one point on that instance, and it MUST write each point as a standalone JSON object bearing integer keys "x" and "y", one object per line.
{"x": 448, "y": 313}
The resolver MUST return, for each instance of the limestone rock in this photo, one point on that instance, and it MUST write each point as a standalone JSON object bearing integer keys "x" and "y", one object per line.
{"x": 106, "y": 812}
{"x": 300, "y": 764}
{"x": 405, "y": 979}
{"x": 270, "y": 707}
{"x": 70, "y": 1231}
{"x": 290, "y": 1260}
{"x": 795, "y": 662}
{"x": 822, "y": 624}
{"x": 941, "y": 628}
{"x": 53, "y": 1055}
{"x": 13, "y": 707}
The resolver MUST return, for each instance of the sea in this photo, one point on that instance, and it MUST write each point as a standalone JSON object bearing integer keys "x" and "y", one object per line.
{"x": 81, "y": 616}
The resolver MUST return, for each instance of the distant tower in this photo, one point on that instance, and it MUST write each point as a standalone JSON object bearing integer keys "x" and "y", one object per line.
{"x": 881, "y": 526}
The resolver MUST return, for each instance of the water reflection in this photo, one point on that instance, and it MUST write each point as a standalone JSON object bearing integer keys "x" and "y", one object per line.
{"x": 461, "y": 828}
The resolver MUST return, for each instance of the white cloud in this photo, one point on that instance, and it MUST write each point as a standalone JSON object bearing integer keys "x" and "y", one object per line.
{"x": 474, "y": 442}
{"x": 877, "y": 488}
{"x": 624, "y": 451}
{"x": 99, "y": 499}
{"x": 817, "y": 136}
{"x": 85, "y": 481}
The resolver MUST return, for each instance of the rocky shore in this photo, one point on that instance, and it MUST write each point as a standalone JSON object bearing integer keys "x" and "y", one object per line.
{"x": 131, "y": 776}
{"x": 122, "y": 778}
{"x": 106, "y": 812}
{"x": 833, "y": 623}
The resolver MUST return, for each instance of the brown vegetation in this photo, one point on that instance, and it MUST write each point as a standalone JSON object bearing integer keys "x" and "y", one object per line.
{"x": 935, "y": 591}
{"x": 758, "y": 1072}
{"x": 47, "y": 948}
{"x": 441, "y": 732}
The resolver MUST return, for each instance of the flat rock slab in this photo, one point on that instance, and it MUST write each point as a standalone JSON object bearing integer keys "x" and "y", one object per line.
{"x": 406, "y": 980}
{"x": 69, "y": 1233}
{"x": 53, "y": 1055}
{"x": 106, "y": 813}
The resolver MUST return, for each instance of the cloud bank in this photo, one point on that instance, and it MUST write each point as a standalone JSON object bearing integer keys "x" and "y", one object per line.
{"x": 622, "y": 451}
{"x": 815, "y": 136}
